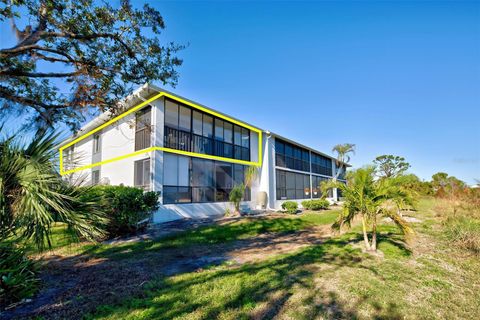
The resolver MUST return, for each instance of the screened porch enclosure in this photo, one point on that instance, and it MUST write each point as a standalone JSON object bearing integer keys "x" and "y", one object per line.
{"x": 195, "y": 180}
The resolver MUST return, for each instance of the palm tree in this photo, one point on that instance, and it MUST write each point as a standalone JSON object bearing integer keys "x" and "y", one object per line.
{"x": 238, "y": 191}
{"x": 251, "y": 174}
{"x": 33, "y": 196}
{"x": 370, "y": 199}
{"x": 236, "y": 196}
{"x": 343, "y": 152}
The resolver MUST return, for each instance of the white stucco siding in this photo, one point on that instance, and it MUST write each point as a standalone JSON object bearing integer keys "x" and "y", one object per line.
{"x": 119, "y": 140}
{"x": 122, "y": 171}
{"x": 171, "y": 212}
{"x": 82, "y": 155}
{"x": 254, "y": 156}
{"x": 267, "y": 175}
{"x": 158, "y": 109}
{"x": 83, "y": 152}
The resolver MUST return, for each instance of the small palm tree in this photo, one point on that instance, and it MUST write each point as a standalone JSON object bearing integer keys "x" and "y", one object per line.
{"x": 236, "y": 196}
{"x": 370, "y": 199}
{"x": 238, "y": 192}
{"x": 251, "y": 174}
{"x": 33, "y": 196}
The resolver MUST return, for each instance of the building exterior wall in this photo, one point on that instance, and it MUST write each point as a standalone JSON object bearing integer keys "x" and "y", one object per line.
{"x": 119, "y": 139}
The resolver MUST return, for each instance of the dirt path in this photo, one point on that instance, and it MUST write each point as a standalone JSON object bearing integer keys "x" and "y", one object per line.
{"x": 76, "y": 285}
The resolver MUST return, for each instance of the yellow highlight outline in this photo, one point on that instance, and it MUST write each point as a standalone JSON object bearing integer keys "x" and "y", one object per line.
{"x": 181, "y": 152}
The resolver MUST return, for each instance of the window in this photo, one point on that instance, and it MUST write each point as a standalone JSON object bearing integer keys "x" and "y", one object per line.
{"x": 192, "y": 130}
{"x": 143, "y": 128}
{"x": 96, "y": 143}
{"x": 174, "y": 194}
{"x": 245, "y": 138}
{"x": 321, "y": 164}
{"x": 188, "y": 179}
{"x": 69, "y": 158}
{"x": 202, "y": 181}
{"x": 292, "y": 157}
{"x": 177, "y": 126}
{"x": 237, "y": 135}
{"x": 197, "y": 123}
{"x": 207, "y": 126}
{"x": 171, "y": 114}
{"x": 292, "y": 185}
{"x": 316, "y": 190}
{"x": 142, "y": 174}
{"x": 184, "y": 118}
{"x": 223, "y": 180}
{"x": 239, "y": 178}
{"x": 95, "y": 177}
{"x": 218, "y": 129}
{"x": 176, "y": 170}
{"x": 228, "y": 132}
{"x": 279, "y": 153}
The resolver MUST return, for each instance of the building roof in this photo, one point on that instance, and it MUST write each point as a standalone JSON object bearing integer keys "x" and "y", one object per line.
{"x": 147, "y": 91}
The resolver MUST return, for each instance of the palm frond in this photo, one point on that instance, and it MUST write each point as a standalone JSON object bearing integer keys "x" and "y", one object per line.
{"x": 401, "y": 223}
{"x": 34, "y": 196}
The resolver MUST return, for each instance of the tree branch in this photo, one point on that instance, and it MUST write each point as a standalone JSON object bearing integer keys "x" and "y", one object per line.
{"x": 7, "y": 94}
{"x": 20, "y": 73}
{"x": 76, "y": 62}
{"x": 32, "y": 43}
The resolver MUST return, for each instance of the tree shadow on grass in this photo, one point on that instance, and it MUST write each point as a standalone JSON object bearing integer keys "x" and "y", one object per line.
{"x": 173, "y": 277}
{"x": 393, "y": 245}
{"x": 258, "y": 290}
{"x": 213, "y": 234}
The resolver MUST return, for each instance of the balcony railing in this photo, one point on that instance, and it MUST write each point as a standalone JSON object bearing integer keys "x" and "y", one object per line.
{"x": 187, "y": 141}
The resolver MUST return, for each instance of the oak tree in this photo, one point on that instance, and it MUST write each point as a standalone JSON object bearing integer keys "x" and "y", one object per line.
{"x": 75, "y": 58}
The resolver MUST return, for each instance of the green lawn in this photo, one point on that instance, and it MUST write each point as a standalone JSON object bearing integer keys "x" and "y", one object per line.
{"x": 427, "y": 280}
{"x": 213, "y": 234}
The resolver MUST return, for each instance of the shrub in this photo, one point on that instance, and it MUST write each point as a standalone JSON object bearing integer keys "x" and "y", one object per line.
{"x": 124, "y": 206}
{"x": 318, "y": 204}
{"x": 306, "y": 204}
{"x": 18, "y": 277}
{"x": 464, "y": 232}
{"x": 236, "y": 196}
{"x": 290, "y": 207}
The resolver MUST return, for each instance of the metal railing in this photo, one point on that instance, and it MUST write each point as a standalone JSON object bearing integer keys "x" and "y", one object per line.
{"x": 187, "y": 141}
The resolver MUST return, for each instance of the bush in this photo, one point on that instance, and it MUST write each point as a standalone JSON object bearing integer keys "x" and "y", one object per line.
{"x": 290, "y": 206}
{"x": 236, "y": 196}
{"x": 464, "y": 232}
{"x": 18, "y": 277}
{"x": 124, "y": 206}
{"x": 318, "y": 204}
{"x": 306, "y": 204}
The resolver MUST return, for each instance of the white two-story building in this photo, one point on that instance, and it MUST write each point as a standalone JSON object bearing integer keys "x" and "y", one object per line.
{"x": 193, "y": 156}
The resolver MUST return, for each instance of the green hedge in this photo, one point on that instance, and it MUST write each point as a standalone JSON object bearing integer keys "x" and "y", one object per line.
{"x": 290, "y": 207}
{"x": 125, "y": 207}
{"x": 318, "y": 204}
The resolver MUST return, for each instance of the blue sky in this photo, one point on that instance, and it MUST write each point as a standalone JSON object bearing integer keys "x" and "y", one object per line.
{"x": 397, "y": 78}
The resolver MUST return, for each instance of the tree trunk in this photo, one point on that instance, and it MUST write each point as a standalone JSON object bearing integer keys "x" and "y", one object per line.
{"x": 374, "y": 234}
{"x": 365, "y": 235}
